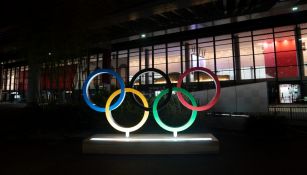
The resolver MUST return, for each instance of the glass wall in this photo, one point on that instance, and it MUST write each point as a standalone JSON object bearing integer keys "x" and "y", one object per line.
{"x": 259, "y": 54}
{"x": 269, "y": 54}
{"x": 13, "y": 84}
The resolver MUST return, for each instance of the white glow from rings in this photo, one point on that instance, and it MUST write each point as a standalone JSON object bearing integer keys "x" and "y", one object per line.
{"x": 173, "y": 139}
{"x": 111, "y": 120}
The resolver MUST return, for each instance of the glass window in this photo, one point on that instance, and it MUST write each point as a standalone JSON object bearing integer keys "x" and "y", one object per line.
{"x": 303, "y": 41}
{"x": 8, "y": 84}
{"x": 61, "y": 75}
{"x": 263, "y": 31}
{"x": 264, "y": 54}
{"x": 26, "y": 78}
{"x": 69, "y": 73}
{"x": 146, "y": 62}
{"x": 146, "y": 59}
{"x": 286, "y": 55}
{"x": 190, "y": 59}
{"x": 17, "y": 78}
{"x": 224, "y": 57}
{"x": 245, "y": 55}
{"x": 13, "y": 74}
{"x": 284, "y": 28}
{"x": 2, "y": 78}
{"x": 100, "y": 60}
{"x": 21, "y": 75}
{"x": 289, "y": 93}
{"x": 122, "y": 64}
{"x": 5, "y": 79}
{"x": 174, "y": 61}
{"x": 134, "y": 62}
{"x": 81, "y": 72}
{"x": 206, "y": 53}
{"x": 93, "y": 62}
{"x": 159, "y": 62}
{"x": 113, "y": 66}
{"x": 160, "y": 57}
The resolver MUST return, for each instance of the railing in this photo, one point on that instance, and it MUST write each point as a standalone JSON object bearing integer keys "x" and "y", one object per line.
{"x": 289, "y": 112}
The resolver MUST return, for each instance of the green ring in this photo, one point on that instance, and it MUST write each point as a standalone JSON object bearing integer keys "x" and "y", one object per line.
{"x": 169, "y": 128}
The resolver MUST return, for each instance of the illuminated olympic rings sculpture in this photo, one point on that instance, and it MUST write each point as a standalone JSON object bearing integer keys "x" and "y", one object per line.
{"x": 122, "y": 93}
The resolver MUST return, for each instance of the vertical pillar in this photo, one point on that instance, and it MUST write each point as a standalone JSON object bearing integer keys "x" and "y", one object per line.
{"x": 275, "y": 56}
{"x": 187, "y": 59}
{"x": 300, "y": 60}
{"x": 57, "y": 80}
{"x": 106, "y": 61}
{"x": 196, "y": 74}
{"x": 214, "y": 56}
{"x": 152, "y": 63}
{"x": 5, "y": 75}
{"x": 19, "y": 75}
{"x": 10, "y": 85}
{"x": 23, "y": 82}
{"x": 51, "y": 79}
{"x": 97, "y": 61}
{"x": 254, "y": 62}
{"x": 128, "y": 66}
{"x": 117, "y": 69}
{"x": 299, "y": 51}
{"x": 1, "y": 81}
{"x": 6, "y": 71}
{"x": 181, "y": 57}
{"x": 166, "y": 59}
{"x": 277, "y": 100}
{"x": 63, "y": 73}
{"x": 236, "y": 57}
{"x": 146, "y": 66}
{"x": 14, "y": 82}
{"x": 79, "y": 72}
{"x": 88, "y": 62}
{"x": 33, "y": 83}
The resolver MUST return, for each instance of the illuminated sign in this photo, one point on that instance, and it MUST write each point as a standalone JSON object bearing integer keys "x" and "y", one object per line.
{"x": 168, "y": 92}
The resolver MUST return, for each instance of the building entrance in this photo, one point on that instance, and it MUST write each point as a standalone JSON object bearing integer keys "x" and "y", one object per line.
{"x": 289, "y": 93}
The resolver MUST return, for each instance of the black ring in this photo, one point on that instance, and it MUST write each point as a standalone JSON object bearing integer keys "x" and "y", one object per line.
{"x": 168, "y": 84}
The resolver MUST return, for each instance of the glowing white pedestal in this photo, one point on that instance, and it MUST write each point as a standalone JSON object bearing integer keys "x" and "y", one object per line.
{"x": 151, "y": 144}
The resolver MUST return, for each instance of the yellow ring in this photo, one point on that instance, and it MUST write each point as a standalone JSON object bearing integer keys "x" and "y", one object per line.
{"x": 111, "y": 119}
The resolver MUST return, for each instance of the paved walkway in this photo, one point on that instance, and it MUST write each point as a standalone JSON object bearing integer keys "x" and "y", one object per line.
{"x": 240, "y": 154}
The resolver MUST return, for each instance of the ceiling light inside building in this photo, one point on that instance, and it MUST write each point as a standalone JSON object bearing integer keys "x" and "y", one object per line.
{"x": 143, "y": 35}
{"x": 294, "y": 8}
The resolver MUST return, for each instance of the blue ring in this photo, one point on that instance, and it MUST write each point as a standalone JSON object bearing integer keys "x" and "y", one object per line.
{"x": 86, "y": 84}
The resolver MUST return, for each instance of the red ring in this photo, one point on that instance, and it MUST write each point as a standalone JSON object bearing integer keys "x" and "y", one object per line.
{"x": 213, "y": 100}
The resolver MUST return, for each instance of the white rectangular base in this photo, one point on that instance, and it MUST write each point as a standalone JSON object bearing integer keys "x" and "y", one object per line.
{"x": 151, "y": 144}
